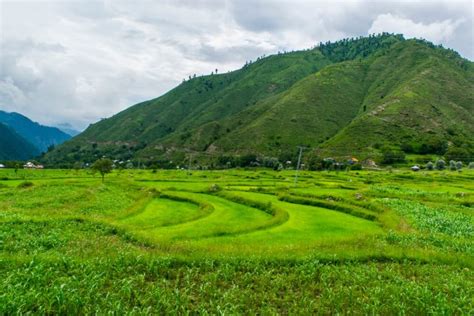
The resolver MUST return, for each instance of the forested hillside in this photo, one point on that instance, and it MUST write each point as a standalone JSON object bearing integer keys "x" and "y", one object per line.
{"x": 355, "y": 97}
{"x": 13, "y": 146}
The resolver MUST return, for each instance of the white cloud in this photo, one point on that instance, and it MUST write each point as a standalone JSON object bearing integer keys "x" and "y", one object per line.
{"x": 77, "y": 61}
{"x": 437, "y": 32}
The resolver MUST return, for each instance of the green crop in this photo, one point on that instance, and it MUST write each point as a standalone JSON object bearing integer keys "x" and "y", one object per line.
{"x": 165, "y": 243}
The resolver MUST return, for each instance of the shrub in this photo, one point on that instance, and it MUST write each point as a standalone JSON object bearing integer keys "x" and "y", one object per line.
{"x": 356, "y": 166}
{"x": 471, "y": 165}
{"x": 215, "y": 188}
{"x": 452, "y": 165}
{"x": 440, "y": 164}
{"x": 459, "y": 165}
{"x": 433, "y": 146}
{"x": 314, "y": 163}
{"x": 25, "y": 184}
{"x": 457, "y": 153}
{"x": 392, "y": 156}
{"x": 430, "y": 165}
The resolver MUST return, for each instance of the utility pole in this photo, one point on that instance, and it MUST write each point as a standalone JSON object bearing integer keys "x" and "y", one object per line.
{"x": 298, "y": 164}
{"x": 189, "y": 163}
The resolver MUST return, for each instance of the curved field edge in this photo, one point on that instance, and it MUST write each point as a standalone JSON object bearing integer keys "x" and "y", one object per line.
{"x": 396, "y": 243}
{"x": 167, "y": 210}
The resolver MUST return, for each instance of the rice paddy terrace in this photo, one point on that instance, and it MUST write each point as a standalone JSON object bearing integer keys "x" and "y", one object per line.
{"x": 229, "y": 240}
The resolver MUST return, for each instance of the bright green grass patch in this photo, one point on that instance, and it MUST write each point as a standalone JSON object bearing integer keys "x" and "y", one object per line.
{"x": 228, "y": 218}
{"x": 164, "y": 212}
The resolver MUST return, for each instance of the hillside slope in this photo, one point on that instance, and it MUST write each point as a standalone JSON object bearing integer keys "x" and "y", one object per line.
{"x": 13, "y": 146}
{"x": 39, "y": 135}
{"x": 352, "y": 97}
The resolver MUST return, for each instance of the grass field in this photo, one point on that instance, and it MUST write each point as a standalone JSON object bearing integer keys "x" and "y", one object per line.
{"x": 237, "y": 242}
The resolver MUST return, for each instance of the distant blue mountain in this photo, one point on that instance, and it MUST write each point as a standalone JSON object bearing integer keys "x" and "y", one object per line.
{"x": 68, "y": 129}
{"x": 39, "y": 135}
{"x": 13, "y": 146}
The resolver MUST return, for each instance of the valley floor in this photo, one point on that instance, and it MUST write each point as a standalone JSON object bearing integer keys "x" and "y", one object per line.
{"x": 237, "y": 241}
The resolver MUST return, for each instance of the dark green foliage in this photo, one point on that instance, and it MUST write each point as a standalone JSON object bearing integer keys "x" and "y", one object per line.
{"x": 13, "y": 146}
{"x": 459, "y": 153}
{"x": 452, "y": 165}
{"x": 440, "y": 164}
{"x": 314, "y": 162}
{"x": 25, "y": 184}
{"x": 361, "y": 47}
{"x": 103, "y": 166}
{"x": 393, "y": 157}
{"x": 429, "y": 166}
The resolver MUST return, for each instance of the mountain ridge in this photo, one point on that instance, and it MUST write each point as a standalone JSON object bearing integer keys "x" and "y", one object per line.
{"x": 13, "y": 146}
{"x": 344, "y": 98}
{"x": 41, "y": 136}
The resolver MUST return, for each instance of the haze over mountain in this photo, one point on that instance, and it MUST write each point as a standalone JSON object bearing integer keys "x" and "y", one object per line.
{"x": 352, "y": 97}
{"x": 38, "y": 135}
{"x": 68, "y": 129}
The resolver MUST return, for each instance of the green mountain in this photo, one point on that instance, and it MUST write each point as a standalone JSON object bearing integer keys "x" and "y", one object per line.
{"x": 354, "y": 97}
{"x": 13, "y": 146}
{"x": 39, "y": 135}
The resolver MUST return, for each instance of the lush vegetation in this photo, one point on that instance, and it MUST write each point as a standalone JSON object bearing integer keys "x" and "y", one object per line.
{"x": 362, "y": 97}
{"x": 237, "y": 242}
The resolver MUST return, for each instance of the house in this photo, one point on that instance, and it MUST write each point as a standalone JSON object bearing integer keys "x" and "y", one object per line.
{"x": 30, "y": 165}
{"x": 415, "y": 168}
{"x": 2, "y": 166}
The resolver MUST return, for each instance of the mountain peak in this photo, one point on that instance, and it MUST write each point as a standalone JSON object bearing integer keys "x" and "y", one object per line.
{"x": 351, "y": 97}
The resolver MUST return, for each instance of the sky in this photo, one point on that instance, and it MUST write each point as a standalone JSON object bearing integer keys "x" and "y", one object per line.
{"x": 75, "y": 62}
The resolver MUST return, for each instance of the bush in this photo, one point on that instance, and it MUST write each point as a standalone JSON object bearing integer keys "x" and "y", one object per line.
{"x": 429, "y": 166}
{"x": 314, "y": 163}
{"x": 433, "y": 146}
{"x": 440, "y": 164}
{"x": 452, "y": 165}
{"x": 25, "y": 184}
{"x": 215, "y": 188}
{"x": 392, "y": 156}
{"x": 356, "y": 166}
{"x": 457, "y": 153}
{"x": 459, "y": 165}
{"x": 328, "y": 163}
{"x": 471, "y": 165}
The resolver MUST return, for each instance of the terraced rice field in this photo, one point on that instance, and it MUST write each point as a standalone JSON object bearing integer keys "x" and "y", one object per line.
{"x": 236, "y": 241}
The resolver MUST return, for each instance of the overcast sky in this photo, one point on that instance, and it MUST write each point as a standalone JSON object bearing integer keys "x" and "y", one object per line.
{"x": 78, "y": 61}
